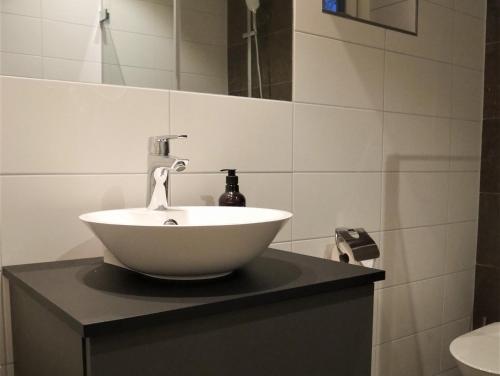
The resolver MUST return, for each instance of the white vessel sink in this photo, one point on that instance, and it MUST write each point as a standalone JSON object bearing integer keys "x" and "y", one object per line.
{"x": 208, "y": 242}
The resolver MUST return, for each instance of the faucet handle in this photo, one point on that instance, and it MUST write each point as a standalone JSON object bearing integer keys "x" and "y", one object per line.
{"x": 159, "y": 145}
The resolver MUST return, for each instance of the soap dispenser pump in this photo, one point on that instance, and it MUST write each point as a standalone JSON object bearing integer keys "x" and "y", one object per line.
{"x": 232, "y": 195}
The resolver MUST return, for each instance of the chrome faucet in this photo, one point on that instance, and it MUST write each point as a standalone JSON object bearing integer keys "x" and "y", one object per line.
{"x": 160, "y": 163}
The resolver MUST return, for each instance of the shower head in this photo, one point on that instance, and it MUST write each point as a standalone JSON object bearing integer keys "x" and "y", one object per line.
{"x": 253, "y": 5}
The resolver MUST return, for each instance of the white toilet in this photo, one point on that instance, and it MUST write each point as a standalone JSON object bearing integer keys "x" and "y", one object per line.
{"x": 478, "y": 352}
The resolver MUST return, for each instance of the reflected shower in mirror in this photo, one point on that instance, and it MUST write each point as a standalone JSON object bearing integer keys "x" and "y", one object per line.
{"x": 400, "y": 15}
{"x": 232, "y": 47}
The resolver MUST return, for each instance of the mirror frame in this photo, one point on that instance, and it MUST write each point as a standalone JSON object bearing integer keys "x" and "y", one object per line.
{"x": 378, "y": 24}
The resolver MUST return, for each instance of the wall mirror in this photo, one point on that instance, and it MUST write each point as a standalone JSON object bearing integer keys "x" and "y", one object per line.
{"x": 233, "y": 47}
{"x": 399, "y": 15}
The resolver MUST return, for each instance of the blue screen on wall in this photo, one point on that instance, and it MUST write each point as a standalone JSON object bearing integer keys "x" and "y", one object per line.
{"x": 334, "y": 5}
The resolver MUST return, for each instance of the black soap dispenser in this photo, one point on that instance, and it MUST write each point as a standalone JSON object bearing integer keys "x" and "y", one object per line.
{"x": 232, "y": 195}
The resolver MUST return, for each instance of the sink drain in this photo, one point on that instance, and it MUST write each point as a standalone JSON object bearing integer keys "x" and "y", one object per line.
{"x": 170, "y": 222}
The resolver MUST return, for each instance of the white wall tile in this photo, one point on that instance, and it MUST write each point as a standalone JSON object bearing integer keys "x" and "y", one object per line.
{"x": 465, "y": 145}
{"x": 137, "y": 77}
{"x": 467, "y": 94}
{"x": 7, "y": 370}
{"x": 463, "y": 196}
{"x": 322, "y": 248}
{"x": 444, "y": 3}
{"x": 475, "y": 8}
{"x": 287, "y": 246}
{"x": 413, "y": 254}
{"x": 72, "y": 70}
{"x": 203, "y": 58}
{"x": 242, "y": 133}
{"x": 449, "y": 333}
{"x": 414, "y": 199}
{"x": 416, "y": 355}
{"x": 21, "y": 7}
{"x": 336, "y": 139}
{"x": 458, "y": 295}
{"x": 374, "y": 4}
{"x": 199, "y": 83}
{"x": 208, "y": 6}
{"x": 203, "y": 27}
{"x": 141, "y": 17}
{"x": 416, "y": 143}
{"x": 468, "y": 41}
{"x": 49, "y": 213}
{"x": 261, "y": 190}
{"x": 410, "y": 308}
{"x": 451, "y": 372}
{"x": 78, "y": 128}
{"x": 418, "y": 86}
{"x": 345, "y": 75}
{"x": 399, "y": 14}
{"x": 71, "y": 41}
{"x": 20, "y": 34}
{"x": 322, "y": 202}
{"x": 138, "y": 50}
{"x": 84, "y": 12}
{"x": 461, "y": 246}
{"x": 435, "y": 34}
{"x": 310, "y": 19}
{"x": 21, "y": 65}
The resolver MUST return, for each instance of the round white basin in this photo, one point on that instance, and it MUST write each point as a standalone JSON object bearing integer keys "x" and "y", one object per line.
{"x": 206, "y": 242}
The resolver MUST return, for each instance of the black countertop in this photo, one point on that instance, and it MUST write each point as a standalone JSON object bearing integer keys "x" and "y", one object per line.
{"x": 96, "y": 298}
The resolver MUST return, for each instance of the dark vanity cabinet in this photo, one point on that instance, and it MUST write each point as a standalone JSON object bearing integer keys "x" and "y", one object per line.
{"x": 283, "y": 314}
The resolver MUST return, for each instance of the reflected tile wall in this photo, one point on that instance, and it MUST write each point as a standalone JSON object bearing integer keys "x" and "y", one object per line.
{"x": 487, "y": 294}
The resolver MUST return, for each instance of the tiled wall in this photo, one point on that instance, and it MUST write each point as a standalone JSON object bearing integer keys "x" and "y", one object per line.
{"x": 62, "y": 40}
{"x": 203, "y": 49}
{"x": 387, "y": 134}
{"x": 137, "y": 44}
{"x": 399, "y": 13}
{"x": 487, "y": 297}
{"x": 384, "y": 133}
{"x": 53, "y": 39}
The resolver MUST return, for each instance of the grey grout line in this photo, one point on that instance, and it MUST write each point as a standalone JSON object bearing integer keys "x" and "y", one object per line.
{"x": 385, "y": 49}
{"x": 437, "y": 276}
{"x": 382, "y": 156}
{"x": 440, "y": 326}
{"x": 391, "y": 230}
{"x": 42, "y": 50}
{"x": 389, "y": 4}
{"x": 391, "y": 112}
{"x": 38, "y": 174}
{"x": 333, "y": 172}
{"x": 448, "y": 200}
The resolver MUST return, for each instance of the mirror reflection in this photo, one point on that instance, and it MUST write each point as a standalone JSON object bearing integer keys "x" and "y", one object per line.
{"x": 232, "y": 47}
{"x": 399, "y": 15}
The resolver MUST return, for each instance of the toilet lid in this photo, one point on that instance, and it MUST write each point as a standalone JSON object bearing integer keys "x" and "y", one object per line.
{"x": 479, "y": 349}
